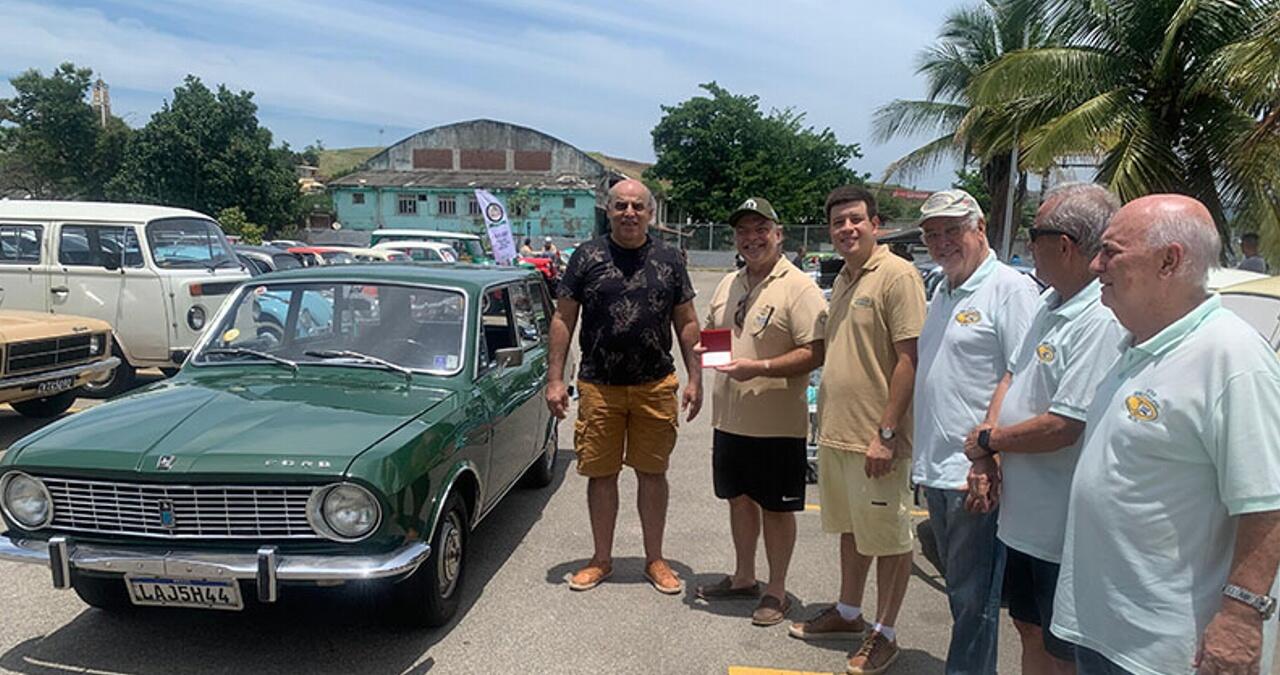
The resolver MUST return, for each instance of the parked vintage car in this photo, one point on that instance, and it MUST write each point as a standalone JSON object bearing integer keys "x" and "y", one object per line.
{"x": 469, "y": 247}
{"x": 1258, "y": 303}
{"x": 421, "y": 251}
{"x": 262, "y": 259}
{"x": 318, "y": 256}
{"x": 48, "y": 358}
{"x": 365, "y": 446}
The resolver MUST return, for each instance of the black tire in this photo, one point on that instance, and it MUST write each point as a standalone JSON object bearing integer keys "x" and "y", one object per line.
{"x": 49, "y": 406}
{"x": 542, "y": 472}
{"x": 106, "y": 593}
{"x": 169, "y": 372}
{"x": 429, "y": 597}
{"x": 122, "y": 379}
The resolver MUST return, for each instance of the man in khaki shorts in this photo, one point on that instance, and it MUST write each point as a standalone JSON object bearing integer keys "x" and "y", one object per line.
{"x": 775, "y": 314}
{"x": 631, "y": 290}
{"x": 864, "y": 420}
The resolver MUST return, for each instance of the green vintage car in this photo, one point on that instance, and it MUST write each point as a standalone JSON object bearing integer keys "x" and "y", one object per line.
{"x": 333, "y": 425}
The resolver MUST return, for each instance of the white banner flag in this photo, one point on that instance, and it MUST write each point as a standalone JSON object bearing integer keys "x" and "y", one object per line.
{"x": 495, "y": 220}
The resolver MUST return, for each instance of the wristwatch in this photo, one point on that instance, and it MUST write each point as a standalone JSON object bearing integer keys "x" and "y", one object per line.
{"x": 984, "y": 441}
{"x": 1265, "y": 604}
{"x": 887, "y": 434}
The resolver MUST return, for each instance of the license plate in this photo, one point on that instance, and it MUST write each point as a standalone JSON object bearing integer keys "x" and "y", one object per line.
{"x": 184, "y": 592}
{"x": 54, "y": 386}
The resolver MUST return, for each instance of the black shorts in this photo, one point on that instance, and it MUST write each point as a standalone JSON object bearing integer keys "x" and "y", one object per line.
{"x": 769, "y": 470}
{"x": 1029, "y": 583}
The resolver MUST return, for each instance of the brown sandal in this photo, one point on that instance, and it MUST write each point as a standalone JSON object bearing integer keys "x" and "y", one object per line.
{"x": 724, "y": 590}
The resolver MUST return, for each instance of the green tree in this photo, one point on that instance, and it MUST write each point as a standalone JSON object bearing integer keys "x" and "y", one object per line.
{"x": 1129, "y": 84}
{"x": 974, "y": 183}
{"x": 719, "y": 150}
{"x": 234, "y": 222}
{"x": 971, "y": 38}
{"x": 204, "y": 150}
{"x": 52, "y": 142}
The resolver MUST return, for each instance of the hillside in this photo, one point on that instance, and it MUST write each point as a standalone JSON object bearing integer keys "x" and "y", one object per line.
{"x": 340, "y": 160}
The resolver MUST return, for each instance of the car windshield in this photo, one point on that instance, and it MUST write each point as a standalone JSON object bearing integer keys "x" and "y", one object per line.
{"x": 409, "y": 326}
{"x": 468, "y": 250}
{"x": 337, "y": 257}
{"x": 285, "y": 261}
{"x": 189, "y": 242}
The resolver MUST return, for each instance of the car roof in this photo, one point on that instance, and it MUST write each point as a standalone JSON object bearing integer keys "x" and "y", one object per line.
{"x": 428, "y": 233}
{"x": 316, "y": 249}
{"x": 469, "y": 277}
{"x": 34, "y": 209}
{"x": 1269, "y": 286}
{"x": 265, "y": 250}
{"x": 410, "y": 243}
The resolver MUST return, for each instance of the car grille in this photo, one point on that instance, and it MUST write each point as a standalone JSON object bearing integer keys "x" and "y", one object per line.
{"x": 37, "y": 355}
{"x": 181, "y": 511}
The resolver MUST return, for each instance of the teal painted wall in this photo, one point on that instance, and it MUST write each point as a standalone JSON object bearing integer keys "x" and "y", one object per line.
{"x": 558, "y": 213}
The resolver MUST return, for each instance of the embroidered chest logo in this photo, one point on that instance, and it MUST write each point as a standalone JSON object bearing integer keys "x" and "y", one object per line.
{"x": 1046, "y": 353}
{"x": 1142, "y": 406}
{"x": 862, "y": 302}
{"x": 968, "y": 317}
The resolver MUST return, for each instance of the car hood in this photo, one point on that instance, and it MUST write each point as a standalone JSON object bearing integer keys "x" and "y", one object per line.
{"x": 17, "y": 325}
{"x": 275, "y": 425}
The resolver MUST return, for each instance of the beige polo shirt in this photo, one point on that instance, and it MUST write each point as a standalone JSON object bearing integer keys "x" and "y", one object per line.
{"x": 871, "y": 309}
{"x": 784, "y": 311}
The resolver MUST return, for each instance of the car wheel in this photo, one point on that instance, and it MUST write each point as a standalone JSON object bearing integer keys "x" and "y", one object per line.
{"x": 49, "y": 406}
{"x": 430, "y": 596}
{"x": 105, "y": 593}
{"x": 543, "y": 471}
{"x": 120, "y": 380}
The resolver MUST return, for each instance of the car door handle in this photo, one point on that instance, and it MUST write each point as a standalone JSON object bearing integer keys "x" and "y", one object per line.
{"x": 59, "y": 290}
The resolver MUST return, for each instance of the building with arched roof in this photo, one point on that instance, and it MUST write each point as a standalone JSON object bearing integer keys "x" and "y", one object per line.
{"x": 428, "y": 181}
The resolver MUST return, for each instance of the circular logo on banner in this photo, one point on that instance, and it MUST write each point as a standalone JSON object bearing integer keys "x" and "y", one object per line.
{"x": 493, "y": 212}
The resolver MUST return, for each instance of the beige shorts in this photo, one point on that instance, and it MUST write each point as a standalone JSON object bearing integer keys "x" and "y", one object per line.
{"x": 876, "y": 511}
{"x": 633, "y": 425}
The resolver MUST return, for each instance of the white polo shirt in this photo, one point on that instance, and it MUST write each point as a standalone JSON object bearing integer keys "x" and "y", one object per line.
{"x": 968, "y": 342}
{"x": 1067, "y": 351}
{"x": 1183, "y": 436}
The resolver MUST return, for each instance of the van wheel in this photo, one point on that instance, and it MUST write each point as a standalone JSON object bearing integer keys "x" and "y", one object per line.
{"x": 120, "y": 380}
{"x": 430, "y": 596}
{"x": 542, "y": 472}
{"x": 49, "y": 406}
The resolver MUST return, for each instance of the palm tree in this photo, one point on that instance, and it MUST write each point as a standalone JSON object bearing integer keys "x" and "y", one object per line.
{"x": 1146, "y": 85}
{"x": 971, "y": 38}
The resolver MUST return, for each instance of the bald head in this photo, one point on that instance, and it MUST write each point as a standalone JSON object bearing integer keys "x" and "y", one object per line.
{"x": 631, "y": 209}
{"x": 631, "y": 187}
{"x": 1176, "y": 221}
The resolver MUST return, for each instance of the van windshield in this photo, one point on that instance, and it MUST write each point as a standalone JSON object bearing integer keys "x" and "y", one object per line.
{"x": 189, "y": 242}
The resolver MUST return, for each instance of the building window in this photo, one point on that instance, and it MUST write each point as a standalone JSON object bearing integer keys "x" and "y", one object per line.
{"x": 570, "y": 203}
{"x": 423, "y": 197}
{"x": 447, "y": 206}
{"x": 473, "y": 206}
{"x": 357, "y": 198}
{"x": 407, "y": 205}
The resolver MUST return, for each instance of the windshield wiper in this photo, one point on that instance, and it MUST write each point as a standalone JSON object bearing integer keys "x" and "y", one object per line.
{"x": 242, "y": 351}
{"x": 347, "y": 354}
{"x": 220, "y": 263}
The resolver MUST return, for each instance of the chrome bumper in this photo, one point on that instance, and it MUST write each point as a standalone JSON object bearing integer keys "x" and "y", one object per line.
{"x": 104, "y": 366}
{"x": 267, "y": 567}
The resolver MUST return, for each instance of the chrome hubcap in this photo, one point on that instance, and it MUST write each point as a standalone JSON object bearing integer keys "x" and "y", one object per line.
{"x": 450, "y": 561}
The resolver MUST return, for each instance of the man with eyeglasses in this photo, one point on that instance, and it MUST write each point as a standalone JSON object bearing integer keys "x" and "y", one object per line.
{"x": 1040, "y": 413}
{"x": 632, "y": 290}
{"x": 864, "y": 422}
{"x": 976, "y": 321}
{"x": 776, "y": 316}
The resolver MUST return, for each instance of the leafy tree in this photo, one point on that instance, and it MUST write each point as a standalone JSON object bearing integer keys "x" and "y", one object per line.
{"x": 234, "y": 222}
{"x": 974, "y": 183}
{"x": 53, "y": 144}
{"x": 1129, "y": 84}
{"x": 719, "y": 150}
{"x": 204, "y": 150}
{"x": 971, "y": 38}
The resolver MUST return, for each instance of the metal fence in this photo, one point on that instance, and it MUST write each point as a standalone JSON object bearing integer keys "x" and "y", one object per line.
{"x": 719, "y": 237}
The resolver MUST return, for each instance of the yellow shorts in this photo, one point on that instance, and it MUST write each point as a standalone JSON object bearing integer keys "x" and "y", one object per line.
{"x": 633, "y": 425}
{"x": 876, "y": 511}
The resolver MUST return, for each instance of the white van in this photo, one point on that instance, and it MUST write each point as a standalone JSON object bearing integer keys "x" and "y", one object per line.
{"x": 156, "y": 274}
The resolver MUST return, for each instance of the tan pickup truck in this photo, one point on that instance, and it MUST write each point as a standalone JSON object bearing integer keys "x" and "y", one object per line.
{"x": 46, "y": 358}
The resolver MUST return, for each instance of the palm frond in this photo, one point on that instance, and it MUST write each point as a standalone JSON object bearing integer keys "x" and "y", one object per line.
{"x": 1081, "y": 130}
{"x": 925, "y": 158}
{"x": 1047, "y": 72}
{"x": 907, "y": 118}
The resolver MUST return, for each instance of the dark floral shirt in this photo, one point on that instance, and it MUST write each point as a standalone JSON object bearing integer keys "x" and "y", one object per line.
{"x": 627, "y": 297}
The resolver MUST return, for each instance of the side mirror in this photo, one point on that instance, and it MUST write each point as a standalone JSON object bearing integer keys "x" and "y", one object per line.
{"x": 509, "y": 357}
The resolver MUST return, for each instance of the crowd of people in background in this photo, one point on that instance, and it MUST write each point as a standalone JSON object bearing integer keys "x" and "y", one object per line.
{"x": 1104, "y": 455}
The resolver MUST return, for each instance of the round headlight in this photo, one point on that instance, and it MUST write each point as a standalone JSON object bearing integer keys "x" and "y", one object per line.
{"x": 26, "y": 501}
{"x": 349, "y": 512}
{"x": 195, "y": 317}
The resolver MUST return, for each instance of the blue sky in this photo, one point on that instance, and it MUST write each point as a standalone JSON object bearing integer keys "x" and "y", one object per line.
{"x": 363, "y": 72}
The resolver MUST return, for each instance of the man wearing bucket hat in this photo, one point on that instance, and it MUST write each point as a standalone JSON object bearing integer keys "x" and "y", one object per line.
{"x": 776, "y": 315}
{"x": 974, "y": 325}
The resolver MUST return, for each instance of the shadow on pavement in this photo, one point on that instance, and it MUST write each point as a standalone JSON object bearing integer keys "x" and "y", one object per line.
{"x": 309, "y": 630}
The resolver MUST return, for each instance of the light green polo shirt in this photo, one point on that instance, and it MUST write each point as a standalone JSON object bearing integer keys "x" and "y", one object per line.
{"x": 967, "y": 344}
{"x": 1068, "y": 349}
{"x": 1182, "y": 437}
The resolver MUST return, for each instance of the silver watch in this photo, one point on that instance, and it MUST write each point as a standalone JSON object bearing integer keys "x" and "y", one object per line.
{"x": 1265, "y": 604}
{"x": 887, "y": 434}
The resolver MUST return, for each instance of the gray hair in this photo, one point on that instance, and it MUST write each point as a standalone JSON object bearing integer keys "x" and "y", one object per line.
{"x": 1082, "y": 210}
{"x": 1199, "y": 241}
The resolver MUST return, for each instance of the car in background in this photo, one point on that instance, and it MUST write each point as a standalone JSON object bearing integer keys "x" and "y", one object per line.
{"x": 47, "y": 359}
{"x": 378, "y": 255}
{"x": 811, "y": 445}
{"x": 469, "y": 247}
{"x": 361, "y": 449}
{"x": 313, "y": 256}
{"x": 1224, "y": 277}
{"x": 1258, "y": 303}
{"x": 547, "y": 265}
{"x": 420, "y": 251}
{"x": 262, "y": 259}
{"x": 285, "y": 243}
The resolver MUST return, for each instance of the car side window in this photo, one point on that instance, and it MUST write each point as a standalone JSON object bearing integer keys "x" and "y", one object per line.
{"x": 543, "y": 308}
{"x": 526, "y": 320}
{"x": 497, "y": 330}
{"x": 20, "y": 243}
{"x": 99, "y": 246}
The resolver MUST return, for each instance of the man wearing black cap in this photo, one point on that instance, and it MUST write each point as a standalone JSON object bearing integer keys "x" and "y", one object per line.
{"x": 776, "y": 317}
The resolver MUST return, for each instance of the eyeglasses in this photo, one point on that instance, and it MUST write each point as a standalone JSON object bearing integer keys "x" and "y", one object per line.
{"x": 1036, "y": 232}
{"x": 740, "y": 314}
{"x": 948, "y": 232}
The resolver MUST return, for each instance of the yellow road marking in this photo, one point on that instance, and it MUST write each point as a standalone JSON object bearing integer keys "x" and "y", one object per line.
{"x": 915, "y": 513}
{"x": 746, "y": 670}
